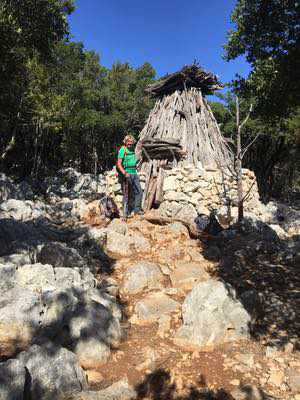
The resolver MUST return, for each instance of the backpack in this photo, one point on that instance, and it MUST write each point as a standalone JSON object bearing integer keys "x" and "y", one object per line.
{"x": 108, "y": 207}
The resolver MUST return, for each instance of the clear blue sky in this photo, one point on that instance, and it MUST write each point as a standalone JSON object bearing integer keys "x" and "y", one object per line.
{"x": 166, "y": 33}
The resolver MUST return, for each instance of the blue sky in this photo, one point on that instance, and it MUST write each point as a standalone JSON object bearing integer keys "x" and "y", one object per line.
{"x": 166, "y": 33}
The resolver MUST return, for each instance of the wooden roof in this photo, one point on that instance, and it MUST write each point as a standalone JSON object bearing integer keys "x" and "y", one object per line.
{"x": 188, "y": 77}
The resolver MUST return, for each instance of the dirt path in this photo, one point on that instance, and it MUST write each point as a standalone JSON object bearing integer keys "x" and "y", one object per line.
{"x": 150, "y": 358}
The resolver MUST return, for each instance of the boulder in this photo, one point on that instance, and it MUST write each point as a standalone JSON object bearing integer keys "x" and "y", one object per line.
{"x": 11, "y": 190}
{"x": 22, "y": 210}
{"x": 42, "y": 302}
{"x": 140, "y": 243}
{"x": 143, "y": 275}
{"x": 249, "y": 392}
{"x": 69, "y": 277}
{"x": 80, "y": 208}
{"x": 186, "y": 275}
{"x": 53, "y": 372}
{"x": 17, "y": 236}
{"x": 36, "y": 277}
{"x": 118, "y": 244}
{"x": 12, "y": 380}
{"x": 119, "y": 226}
{"x": 152, "y": 307}
{"x": 19, "y": 319}
{"x": 93, "y": 329}
{"x": 70, "y": 183}
{"x": 120, "y": 390}
{"x": 97, "y": 234}
{"x": 22, "y": 258}
{"x": 211, "y": 315}
{"x": 186, "y": 213}
{"x": 177, "y": 228}
{"x": 7, "y": 277}
{"x": 60, "y": 255}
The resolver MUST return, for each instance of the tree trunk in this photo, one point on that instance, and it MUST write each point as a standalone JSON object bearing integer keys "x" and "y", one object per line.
{"x": 238, "y": 165}
{"x": 239, "y": 173}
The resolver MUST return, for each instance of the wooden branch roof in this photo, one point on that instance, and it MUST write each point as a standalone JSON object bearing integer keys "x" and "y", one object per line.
{"x": 188, "y": 77}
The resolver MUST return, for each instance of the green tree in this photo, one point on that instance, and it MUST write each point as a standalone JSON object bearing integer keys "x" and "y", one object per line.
{"x": 268, "y": 34}
{"x": 28, "y": 29}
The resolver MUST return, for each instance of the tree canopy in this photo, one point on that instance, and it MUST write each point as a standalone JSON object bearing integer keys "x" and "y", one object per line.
{"x": 268, "y": 34}
{"x": 59, "y": 105}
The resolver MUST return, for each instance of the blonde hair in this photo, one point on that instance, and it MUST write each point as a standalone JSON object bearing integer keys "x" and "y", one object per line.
{"x": 128, "y": 137}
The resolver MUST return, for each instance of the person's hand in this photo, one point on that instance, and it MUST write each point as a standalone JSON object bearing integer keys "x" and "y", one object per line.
{"x": 126, "y": 175}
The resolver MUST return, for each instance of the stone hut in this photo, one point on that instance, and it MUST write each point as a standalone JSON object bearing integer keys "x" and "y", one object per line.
{"x": 187, "y": 164}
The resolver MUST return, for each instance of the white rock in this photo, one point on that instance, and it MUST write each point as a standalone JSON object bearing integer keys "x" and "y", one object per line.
{"x": 140, "y": 276}
{"x": 153, "y": 306}
{"x": 211, "y": 314}
{"x": 170, "y": 183}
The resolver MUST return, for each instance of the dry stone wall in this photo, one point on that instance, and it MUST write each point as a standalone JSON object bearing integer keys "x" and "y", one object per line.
{"x": 189, "y": 191}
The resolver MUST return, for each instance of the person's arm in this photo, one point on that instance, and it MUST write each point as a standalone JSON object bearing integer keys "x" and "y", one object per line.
{"x": 120, "y": 168}
{"x": 121, "y": 157}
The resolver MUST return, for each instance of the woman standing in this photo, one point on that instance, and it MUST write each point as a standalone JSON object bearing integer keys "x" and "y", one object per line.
{"x": 129, "y": 178}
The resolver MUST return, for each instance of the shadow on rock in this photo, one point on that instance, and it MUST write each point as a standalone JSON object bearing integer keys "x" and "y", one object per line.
{"x": 159, "y": 386}
{"x": 264, "y": 271}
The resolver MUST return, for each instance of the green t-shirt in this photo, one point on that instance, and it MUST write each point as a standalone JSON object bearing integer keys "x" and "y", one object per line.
{"x": 128, "y": 160}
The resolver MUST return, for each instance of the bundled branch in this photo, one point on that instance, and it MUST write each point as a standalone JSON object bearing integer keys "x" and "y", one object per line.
{"x": 191, "y": 76}
{"x": 161, "y": 149}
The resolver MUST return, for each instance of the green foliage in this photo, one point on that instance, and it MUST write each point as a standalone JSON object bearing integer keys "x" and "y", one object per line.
{"x": 275, "y": 155}
{"x": 268, "y": 34}
{"x": 73, "y": 111}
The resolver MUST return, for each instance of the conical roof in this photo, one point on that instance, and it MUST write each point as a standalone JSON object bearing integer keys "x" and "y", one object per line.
{"x": 186, "y": 118}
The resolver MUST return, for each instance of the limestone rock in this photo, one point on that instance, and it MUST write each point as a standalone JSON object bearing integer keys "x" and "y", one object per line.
{"x": 69, "y": 277}
{"x": 10, "y": 190}
{"x": 191, "y": 187}
{"x": 16, "y": 236}
{"x": 12, "y": 380}
{"x": 19, "y": 318}
{"x": 36, "y": 277}
{"x": 60, "y": 255}
{"x": 170, "y": 183}
{"x": 141, "y": 276}
{"x": 176, "y": 196}
{"x": 211, "y": 315}
{"x": 22, "y": 258}
{"x": 141, "y": 244}
{"x": 249, "y": 392}
{"x": 186, "y": 213}
{"x": 178, "y": 228}
{"x": 293, "y": 375}
{"x": 186, "y": 275}
{"x": 119, "y": 226}
{"x": 21, "y": 210}
{"x": 7, "y": 277}
{"x": 118, "y": 244}
{"x": 93, "y": 329}
{"x": 118, "y": 391}
{"x": 54, "y": 372}
{"x": 152, "y": 307}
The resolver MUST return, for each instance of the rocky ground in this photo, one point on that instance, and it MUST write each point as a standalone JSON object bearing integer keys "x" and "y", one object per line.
{"x": 97, "y": 310}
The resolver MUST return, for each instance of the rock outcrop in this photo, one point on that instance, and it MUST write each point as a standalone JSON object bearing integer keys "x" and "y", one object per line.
{"x": 211, "y": 315}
